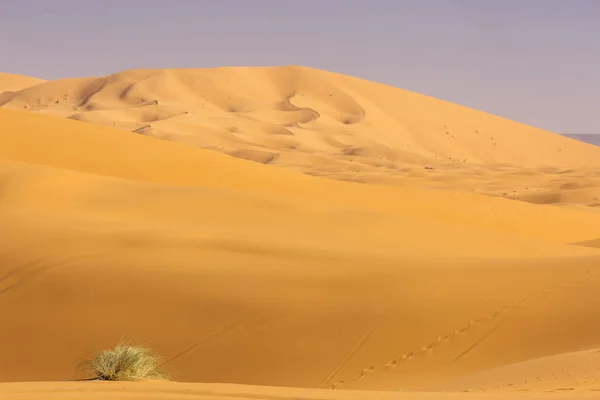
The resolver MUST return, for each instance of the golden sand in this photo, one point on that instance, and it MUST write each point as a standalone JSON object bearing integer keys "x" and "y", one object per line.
{"x": 141, "y": 205}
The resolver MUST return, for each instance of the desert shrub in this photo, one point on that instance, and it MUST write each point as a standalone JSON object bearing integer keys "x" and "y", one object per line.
{"x": 125, "y": 363}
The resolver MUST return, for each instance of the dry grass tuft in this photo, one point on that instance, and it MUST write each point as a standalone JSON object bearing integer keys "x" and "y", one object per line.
{"x": 125, "y": 363}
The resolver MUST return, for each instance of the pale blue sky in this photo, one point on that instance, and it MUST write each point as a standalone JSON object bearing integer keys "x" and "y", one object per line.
{"x": 534, "y": 61}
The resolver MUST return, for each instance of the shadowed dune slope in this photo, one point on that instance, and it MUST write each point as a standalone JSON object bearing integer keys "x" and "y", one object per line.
{"x": 238, "y": 272}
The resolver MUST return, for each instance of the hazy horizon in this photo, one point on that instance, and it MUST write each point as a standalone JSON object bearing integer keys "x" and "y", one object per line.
{"x": 534, "y": 62}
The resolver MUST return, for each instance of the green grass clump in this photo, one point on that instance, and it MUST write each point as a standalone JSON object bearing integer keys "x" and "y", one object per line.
{"x": 125, "y": 363}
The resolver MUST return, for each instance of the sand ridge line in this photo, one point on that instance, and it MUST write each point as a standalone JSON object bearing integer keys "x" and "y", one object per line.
{"x": 407, "y": 356}
{"x": 315, "y": 115}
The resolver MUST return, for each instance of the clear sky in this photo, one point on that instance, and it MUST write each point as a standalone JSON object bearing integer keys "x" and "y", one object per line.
{"x": 534, "y": 61}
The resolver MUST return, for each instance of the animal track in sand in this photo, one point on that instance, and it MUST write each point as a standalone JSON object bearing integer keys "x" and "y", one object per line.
{"x": 431, "y": 346}
{"x": 364, "y": 373}
{"x": 335, "y": 385}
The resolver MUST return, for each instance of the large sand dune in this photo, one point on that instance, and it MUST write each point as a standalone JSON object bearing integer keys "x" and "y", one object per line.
{"x": 239, "y": 272}
{"x": 331, "y": 125}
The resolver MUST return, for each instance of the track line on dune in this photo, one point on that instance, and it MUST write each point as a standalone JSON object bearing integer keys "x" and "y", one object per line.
{"x": 24, "y": 274}
{"x": 6, "y": 277}
{"x": 215, "y": 334}
{"x": 475, "y": 345}
{"x": 357, "y": 346}
{"x": 25, "y": 268}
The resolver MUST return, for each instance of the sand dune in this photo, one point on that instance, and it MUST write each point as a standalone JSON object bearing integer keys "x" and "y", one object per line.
{"x": 331, "y": 125}
{"x": 238, "y": 272}
{"x": 311, "y": 110}
{"x": 228, "y": 293}
{"x": 243, "y": 273}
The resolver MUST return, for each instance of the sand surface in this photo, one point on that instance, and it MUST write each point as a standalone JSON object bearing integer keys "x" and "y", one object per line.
{"x": 243, "y": 273}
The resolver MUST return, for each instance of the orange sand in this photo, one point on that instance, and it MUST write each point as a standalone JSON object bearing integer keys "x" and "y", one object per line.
{"x": 244, "y": 273}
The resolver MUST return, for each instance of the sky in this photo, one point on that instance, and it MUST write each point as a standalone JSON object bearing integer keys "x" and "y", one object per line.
{"x": 533, "y": 61}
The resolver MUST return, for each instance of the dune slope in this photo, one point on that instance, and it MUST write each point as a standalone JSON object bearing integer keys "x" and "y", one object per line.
{"x": 241, "y": 273}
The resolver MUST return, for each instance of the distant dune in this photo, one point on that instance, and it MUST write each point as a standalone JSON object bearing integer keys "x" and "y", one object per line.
{"x": 140, "y": 205}
{"x": 330, "y": 125}
{"x": 296, "y": 109}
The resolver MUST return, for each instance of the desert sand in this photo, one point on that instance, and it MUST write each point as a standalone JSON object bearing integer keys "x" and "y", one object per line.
{"x": 308, "y": 234}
